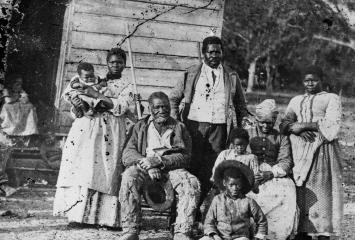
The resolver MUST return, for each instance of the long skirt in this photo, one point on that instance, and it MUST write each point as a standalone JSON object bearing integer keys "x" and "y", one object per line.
{"x": 277, "y": 199}
{"x": 83, "y": 205}
{"x": 90, "y": 172}
{"x": 320, "y": 199}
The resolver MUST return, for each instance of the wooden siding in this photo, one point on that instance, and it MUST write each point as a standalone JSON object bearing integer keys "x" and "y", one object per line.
{"x": 162, "y": 47}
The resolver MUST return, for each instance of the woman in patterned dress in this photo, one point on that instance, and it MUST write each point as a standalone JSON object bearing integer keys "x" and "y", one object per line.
{"x": 313, "y": 121}
{"x": 277, "y": 192}
{"x": 90, "y": 172}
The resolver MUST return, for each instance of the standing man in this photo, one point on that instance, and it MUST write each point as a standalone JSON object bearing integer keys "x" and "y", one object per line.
{"x": 213, "y": 103}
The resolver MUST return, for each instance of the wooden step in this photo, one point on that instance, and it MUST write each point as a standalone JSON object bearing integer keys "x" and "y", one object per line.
{"x": 19, "y": 176}
{"x": 36, "y": 163}
{"x": 26, "y": 166}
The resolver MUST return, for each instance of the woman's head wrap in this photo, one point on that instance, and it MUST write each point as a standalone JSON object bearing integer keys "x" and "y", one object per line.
{"x": 266, "y": 110}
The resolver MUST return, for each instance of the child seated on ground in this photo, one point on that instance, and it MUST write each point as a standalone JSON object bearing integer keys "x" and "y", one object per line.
{"x": 229, "y": 216}
{"x": 78, "y": 88}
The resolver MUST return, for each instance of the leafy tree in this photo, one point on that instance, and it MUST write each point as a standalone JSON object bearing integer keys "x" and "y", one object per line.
{"x": 281, "y": 34}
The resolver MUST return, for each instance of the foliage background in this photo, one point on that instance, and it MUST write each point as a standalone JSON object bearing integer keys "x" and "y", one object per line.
{"x": 282, "y": 37}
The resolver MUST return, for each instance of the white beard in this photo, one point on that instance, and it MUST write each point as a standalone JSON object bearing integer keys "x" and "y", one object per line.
{"x": 160, "y": 120}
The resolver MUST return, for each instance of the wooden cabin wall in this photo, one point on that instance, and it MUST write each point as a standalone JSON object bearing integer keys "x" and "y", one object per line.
{"x": 164, "y": 45}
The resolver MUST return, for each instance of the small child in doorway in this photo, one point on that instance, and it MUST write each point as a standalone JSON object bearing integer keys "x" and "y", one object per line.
{"x": 229, "y": 216}
{"x": 15, "y": 93}
{"x": 78, "y": 87}
{"x": 51, "y": 151}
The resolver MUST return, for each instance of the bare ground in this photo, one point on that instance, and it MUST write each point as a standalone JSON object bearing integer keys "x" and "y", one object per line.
{"x": 30, "y": 209}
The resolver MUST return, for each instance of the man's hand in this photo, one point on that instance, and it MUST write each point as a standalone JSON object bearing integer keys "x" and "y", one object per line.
{"x": 216, "y": 237}
{"x": 149, "y": 162}
{"x": 247, "y": 123}
{"x": 308, "y": 136}
{"x": 154, "y": 174}
{"x": 262, "y": 177}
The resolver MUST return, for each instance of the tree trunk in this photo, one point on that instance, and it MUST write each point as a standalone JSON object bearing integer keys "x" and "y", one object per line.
{"x": 251, "y": 76}
{"x": 268, "y": 75}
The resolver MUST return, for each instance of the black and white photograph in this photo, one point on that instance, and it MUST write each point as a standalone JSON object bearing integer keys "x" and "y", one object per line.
{"x": 177, "y": 119}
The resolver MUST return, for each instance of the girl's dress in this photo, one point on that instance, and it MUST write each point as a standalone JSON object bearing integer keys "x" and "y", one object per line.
{"x": 18, "y": 118}
{"x": 276, "y": 197}
{"x": 317, "y": 170}
{"x": 90, "y": 171}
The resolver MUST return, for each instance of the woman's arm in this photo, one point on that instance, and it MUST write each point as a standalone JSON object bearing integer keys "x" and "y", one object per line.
{"x": 290, "y": 125}
{"x": 91, "y": 92}
{"x": 329, "y": 125}
{"x": 284, "y": 158}
{"x": 259, "y": 219}
{"x": 286, "y": 123}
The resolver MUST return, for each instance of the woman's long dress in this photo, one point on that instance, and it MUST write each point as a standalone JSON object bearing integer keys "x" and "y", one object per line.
{"x": 276, "y": 197}
{"x": 317, "y": 170}
{"x": 90, "y": 171}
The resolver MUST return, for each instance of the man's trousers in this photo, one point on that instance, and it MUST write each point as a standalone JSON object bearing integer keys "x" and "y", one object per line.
{"x": 186, "y": 186}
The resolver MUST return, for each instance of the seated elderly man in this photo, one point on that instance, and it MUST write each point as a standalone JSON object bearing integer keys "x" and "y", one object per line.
{"x": 144, "y": 162}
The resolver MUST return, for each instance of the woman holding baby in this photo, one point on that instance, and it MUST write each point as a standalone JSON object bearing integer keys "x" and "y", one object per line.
{"x": 89, "y": 177}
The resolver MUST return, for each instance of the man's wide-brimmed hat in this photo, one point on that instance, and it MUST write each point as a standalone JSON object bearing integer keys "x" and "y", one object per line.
{"x": 240, "y": 168}
{"x": 159, "y": 195}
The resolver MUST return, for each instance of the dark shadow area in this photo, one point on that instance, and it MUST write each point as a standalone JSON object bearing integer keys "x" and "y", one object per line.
{"x": 34, "y": 54}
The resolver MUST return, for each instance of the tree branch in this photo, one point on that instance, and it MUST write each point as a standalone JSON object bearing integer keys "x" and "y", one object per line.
{"x": 158, "y": 15}
{"x": 350, "y": 44}
{"x": 202, "y": 7}
{"x": 143, "y": 22}
{"x": 242, "y": 37}
{"x": 295, "y": 26}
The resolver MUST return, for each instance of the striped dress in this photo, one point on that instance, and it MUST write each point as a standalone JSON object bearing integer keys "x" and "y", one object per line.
{"x": 317, "y": 170}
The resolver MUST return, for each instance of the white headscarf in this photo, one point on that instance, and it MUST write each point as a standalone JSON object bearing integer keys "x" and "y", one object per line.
{"x": 266, "y": 110}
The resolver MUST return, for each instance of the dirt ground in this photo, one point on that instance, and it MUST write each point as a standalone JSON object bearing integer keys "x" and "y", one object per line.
{"x": 30, "y": 218}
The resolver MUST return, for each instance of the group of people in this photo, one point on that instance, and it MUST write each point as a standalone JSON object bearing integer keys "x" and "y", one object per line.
{"x": 232, "y": 171}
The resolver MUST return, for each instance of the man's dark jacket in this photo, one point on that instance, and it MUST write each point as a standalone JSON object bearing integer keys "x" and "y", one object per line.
{"x": 178, "y": 157}
{"x": 235, "y": 101}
